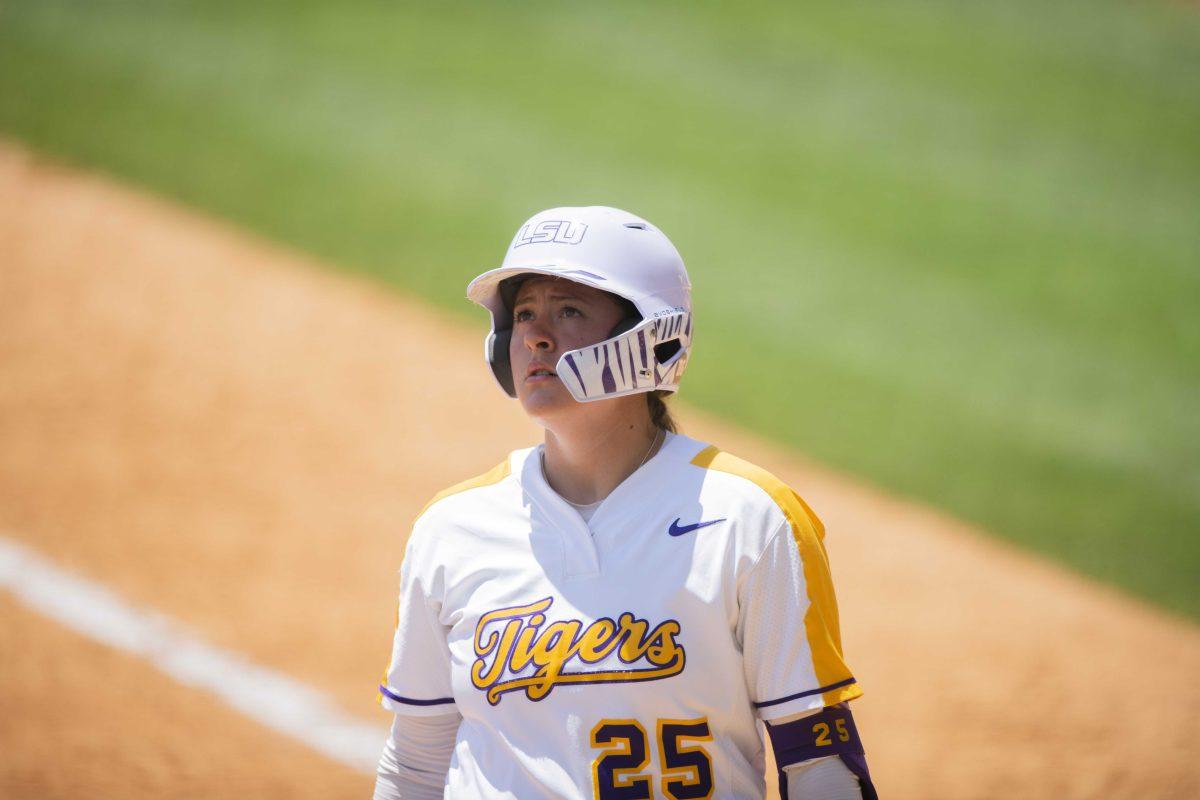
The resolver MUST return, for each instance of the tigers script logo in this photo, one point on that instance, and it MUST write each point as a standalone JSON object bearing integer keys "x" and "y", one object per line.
{"x": 518, "y": 651}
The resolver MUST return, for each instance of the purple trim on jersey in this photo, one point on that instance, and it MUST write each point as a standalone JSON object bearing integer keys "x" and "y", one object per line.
{"x": 822, "y": 689}
{"x": 411, "y": 702}
{"x": 571, "y": 363}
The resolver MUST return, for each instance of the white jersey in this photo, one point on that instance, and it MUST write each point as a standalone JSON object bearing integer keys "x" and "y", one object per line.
{"x": 626, "y": 657}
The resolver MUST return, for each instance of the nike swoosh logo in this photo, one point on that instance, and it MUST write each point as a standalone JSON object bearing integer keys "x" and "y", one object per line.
{"x": 679, "y": 530}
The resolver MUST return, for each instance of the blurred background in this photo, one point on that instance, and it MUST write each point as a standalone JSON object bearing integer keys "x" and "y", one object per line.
{"x": 951, "y": 249}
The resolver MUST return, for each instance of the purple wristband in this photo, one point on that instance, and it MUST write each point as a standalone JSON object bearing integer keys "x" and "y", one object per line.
{"x": 831, "y": 732}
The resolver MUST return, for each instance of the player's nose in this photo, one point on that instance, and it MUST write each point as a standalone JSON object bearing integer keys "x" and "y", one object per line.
{"x": 537, "y": 336}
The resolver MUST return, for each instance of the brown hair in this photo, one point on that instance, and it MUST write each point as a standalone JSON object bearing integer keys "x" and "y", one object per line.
{"x": 660, "y": 415}
{"x": 656, "y": 401}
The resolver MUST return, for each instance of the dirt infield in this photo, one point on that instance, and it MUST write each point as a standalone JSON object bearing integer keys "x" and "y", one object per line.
{"x": 225, "y": 431}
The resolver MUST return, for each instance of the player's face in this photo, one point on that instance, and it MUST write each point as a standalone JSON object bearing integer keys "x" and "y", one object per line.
{"x": 550, "y": 317}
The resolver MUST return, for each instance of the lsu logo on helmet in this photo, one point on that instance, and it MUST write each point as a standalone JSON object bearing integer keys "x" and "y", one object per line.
{"x": 561, "y": 231}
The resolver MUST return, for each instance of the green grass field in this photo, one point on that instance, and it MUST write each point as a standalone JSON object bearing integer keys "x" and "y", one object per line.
{"x": 952, "y": 247}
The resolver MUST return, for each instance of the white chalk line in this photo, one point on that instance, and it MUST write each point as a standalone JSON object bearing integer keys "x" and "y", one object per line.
{"x": 268, "y": 697}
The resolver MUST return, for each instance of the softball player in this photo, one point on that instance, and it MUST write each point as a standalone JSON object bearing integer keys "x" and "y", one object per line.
{"x": 614, "y": 613}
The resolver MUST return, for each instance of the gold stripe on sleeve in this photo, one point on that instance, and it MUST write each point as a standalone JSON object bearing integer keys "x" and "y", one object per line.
{"x": 493, "y": 475}
{"x": 821, "y": 620}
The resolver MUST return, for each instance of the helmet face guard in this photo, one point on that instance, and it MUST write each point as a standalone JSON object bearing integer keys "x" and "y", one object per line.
{"x": 647, "y": 357}
{"x": 615, "y": 252}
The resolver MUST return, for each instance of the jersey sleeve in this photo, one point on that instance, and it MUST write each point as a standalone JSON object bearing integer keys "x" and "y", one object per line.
{"x": 417, "y": 681}
{"x": 788, "y": 622}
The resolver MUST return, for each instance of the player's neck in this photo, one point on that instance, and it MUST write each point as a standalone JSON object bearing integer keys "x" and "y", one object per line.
{"x": 585, "y": 463}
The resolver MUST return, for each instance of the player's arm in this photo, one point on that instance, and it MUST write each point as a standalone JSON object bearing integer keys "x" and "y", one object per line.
{"x": 822, "y": 779}
{"x": 416, "y": 686}
{"x": 799, "y": 682}
{"x": 416, "y": 757}
{"x": 807, "y": 769}
{"x": 417, "y": 681}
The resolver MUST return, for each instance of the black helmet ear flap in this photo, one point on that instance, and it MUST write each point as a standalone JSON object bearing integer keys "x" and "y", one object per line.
{"x": 632, "y": 316}
{"x": 627, "y": 324}
{"x": 497, "y": 356}
{"x": 499, "y": 340}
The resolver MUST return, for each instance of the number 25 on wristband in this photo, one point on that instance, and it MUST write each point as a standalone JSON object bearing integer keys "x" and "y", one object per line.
{"x": 618, "y": 772}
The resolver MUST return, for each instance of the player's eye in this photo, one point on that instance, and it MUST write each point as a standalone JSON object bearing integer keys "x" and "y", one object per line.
{"x": 522, "y": 315}
{"x": 571, "y": 311}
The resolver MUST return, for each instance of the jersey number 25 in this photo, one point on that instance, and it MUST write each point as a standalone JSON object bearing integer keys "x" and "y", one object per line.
{"x": 617, "y": 773}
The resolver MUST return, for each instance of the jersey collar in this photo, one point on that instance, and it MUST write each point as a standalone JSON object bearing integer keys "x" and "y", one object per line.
{"x": 581, "y": 557}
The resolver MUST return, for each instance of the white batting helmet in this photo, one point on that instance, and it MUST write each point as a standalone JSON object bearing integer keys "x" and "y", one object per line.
{"x": 614, "y": 251}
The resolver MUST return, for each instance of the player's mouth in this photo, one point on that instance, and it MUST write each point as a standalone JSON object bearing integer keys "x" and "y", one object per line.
{"x": 538, "y": 372}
